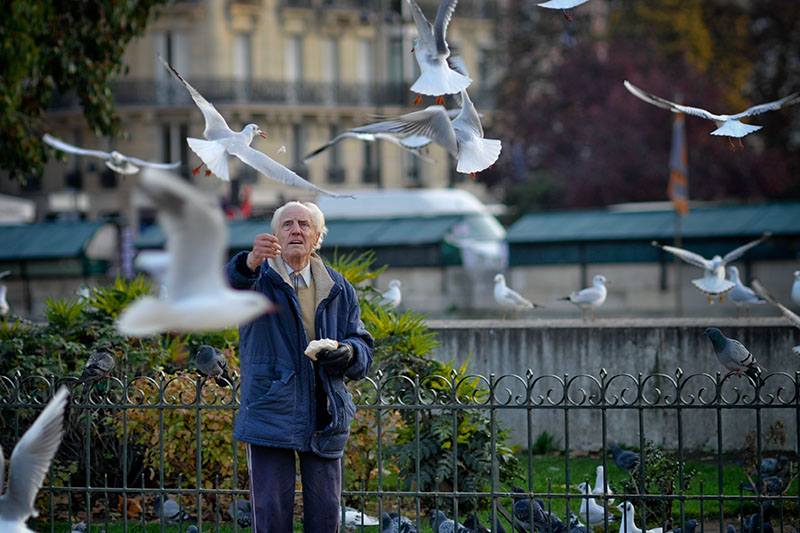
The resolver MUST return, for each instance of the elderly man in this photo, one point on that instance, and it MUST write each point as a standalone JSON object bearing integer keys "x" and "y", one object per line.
{"x": 289, "y": 403}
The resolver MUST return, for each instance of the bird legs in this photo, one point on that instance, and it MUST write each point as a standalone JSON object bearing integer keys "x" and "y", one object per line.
{"x": 418, "y": 100}
{"x": 196, "y": 170}
{"x": 567, "y": 14}
{"x": 741, "y": 146}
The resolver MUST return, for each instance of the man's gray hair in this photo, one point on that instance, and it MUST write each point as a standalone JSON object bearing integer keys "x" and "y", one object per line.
{"x": 317, "y": 219}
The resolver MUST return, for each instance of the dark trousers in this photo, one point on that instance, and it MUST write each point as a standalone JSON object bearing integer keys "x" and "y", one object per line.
{"x": 272, "y": 484}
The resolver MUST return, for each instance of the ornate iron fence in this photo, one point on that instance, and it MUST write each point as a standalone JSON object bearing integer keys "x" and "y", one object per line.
{"x": 130, "y": 439}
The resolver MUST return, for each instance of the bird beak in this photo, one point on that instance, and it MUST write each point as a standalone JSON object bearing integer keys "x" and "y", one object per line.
{"x": 262, "y": 134}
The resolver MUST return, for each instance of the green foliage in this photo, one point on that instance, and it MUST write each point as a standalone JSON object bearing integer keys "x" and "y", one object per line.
{"x": 63, "y": 314}
{"x": 545, "y": 443}
{"x": 111, "y": 300}
{"x": 60, "y": 47}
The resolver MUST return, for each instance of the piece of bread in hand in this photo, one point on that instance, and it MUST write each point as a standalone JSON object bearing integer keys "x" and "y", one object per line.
{"x": 322, "y": 344}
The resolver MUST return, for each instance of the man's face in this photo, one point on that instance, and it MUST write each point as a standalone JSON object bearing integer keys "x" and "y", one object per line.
{"x": 296, "y": 235}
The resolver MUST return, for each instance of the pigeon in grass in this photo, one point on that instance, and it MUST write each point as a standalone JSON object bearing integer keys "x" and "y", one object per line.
{"x": 727, "y": 125}
{"x": 97, "y": 367}
{"x": 742, "y": 295}
{"x": 119, "y": 163}
{"x": 222, "y": 142}
{"x": 242, "y": 512}
{"x": 528, "y": 512}
{"x": 198, "y": 297}
{"x": 624, "y": 459}
{"x": 731, "y": 529}
{"x": 713, "y": 282}
{"x": 734, "y": 356}
{"x": 431, "y": 51}
{"x": 787, "y": 313}
{"x": 589, "y": 510}
{"x": 553, "y": 524}
{"x": 600, "y": 482}
{"x": 690, "y": 527}
{"x": 170, "y": 511}
{"x": 771, "y": 466}
{"x": 590, "y": 298}
{"x": 770, "y": 485}
{"x": 192, "y": 529}
{"x": 392, "y": 297}
{"x": 509, "y": 299}
{"x": 575, "y": 524}
{"x": 441, "y": 524}
{"x": 474, "y": 524}
{"x": 211, "y": 362}
{"x": 395, "y": 523}
{"x": 355, "y": 519}
{"x": 80, "y": 527}
{"x": 30, "y": 461}
{"x": 564, "y": 5}
{"x": 627, "y": 524}
{"x": 754, "y": 522}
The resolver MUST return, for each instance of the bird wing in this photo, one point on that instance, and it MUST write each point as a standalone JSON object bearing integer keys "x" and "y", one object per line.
{"x": 513, "y": 297}
{"x": 431, "y": 122}
{"x": 31, "y": 459}
{"x": 587, "y": 295}
{"x": 142, "y": 162}
{"x": 215, "y": 123}
{"x": 688, "y": 256}
{"x": 467, "y": 121}
{"x": 738, "y": 252}
{"x": 769, "y": 106}
{"x": 66, "y": 147}
{"x": 443, "y": 16}
{"x": 713, "y": 285}
{"x": 274, "y": 170}
{"x": 367, "y": 137}
{"x": 672, "y": 106}
{"x": 762, "y": 291}
{"x": 415, "y": 142}
{"x": 424, "y": 28}
{"x": 740, "y": 355}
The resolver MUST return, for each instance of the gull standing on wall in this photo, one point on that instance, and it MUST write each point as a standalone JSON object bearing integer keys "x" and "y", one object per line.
{"x": 590, "y": 298}
{"x": 509, "y": 299}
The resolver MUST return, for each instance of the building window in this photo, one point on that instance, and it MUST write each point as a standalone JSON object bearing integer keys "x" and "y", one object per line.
{"x": 336, "y": 173}
{"x": 370, "y": 172}
{"x": 108, "y": 178}
{"x": 299, "y": 150}
{"x": 174, "y": 147}
{"x": 294, "y": 67}
{"x": 242, "y": 65}
{"x": 330, "y": 68}
{"x": 413, "y": 171}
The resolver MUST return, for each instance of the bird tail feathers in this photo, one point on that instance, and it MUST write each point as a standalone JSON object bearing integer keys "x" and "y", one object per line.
{"x": 439, "y": 81}
{"x": 478, "y": 154}
{"x": 213, "y": 155}
{"x": 144, "y": 317}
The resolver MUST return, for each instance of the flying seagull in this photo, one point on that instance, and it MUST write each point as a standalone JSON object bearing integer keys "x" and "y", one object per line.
{"x": 727, "y": 125}
{"x": 565, "y": 5}
{"x": 787, "y": 313}
{"x": 221, "y": 142}
{"x": 413, "y": 143}
{"x": 198, "y": 298}
{"x": 590, "y": 297}
{"x": 733, "y": 355}
{"x": 430, "y": 48}
{"x": 116, "y": 161}
{"x": 713, "y": 282}
{"x": 30, "y": 462}
{"x": 741, "y": 295}
{"x": 509, "y": 299}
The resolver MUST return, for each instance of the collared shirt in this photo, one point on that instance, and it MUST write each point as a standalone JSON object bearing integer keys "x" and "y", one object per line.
{"x": 304, "y": 279}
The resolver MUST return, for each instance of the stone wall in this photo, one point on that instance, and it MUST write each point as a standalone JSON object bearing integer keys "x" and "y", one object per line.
{"x": 558, "y": 351}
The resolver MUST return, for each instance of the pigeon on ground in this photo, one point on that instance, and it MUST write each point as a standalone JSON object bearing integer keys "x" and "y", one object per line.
{"x": 243, "y": 513}
{"x": 4, "y": 307}
{"x": 753, "y": 523}
{"x": 690, "y": 527}
{"x": 395, "y": 523}
{"x": 727, "y": 125}
{"x": 787, "y": 313}
{"x": 770, "y": 485}
{"x": 441, "y": 524}
{"x": 355, "y": 519}
{"x": 97, "y": 367}
{"x": 713, "y": 282}
{"x": 474, "y": 524}
{"x": 731, "y": 529}
{"x": 734, "y": 356}
{"x": 590, "y": 298}
{"x": 431, "y": 51}
{"x": 170, "y": 511}
{"x": 509, "y": 299}
{"x": 199, "y": 298}
{"x": 575, "y": 524}
{"x": 564, "y": 5}
{"x": 771, "y": 466}
{"x": 627, "y": 524}
{"x": 29, "y": 463}
{"x": 221, "y": 142}
{"x": 796, "y": 288}
{"x": 600, "y": 482}
{"x": 119, "y": 163}
{"x": 528, "y": 512}
{"x": 392, "y": 297}
{"x": 742, "y": 295}
{"x": 553, "y": 524}
{"x": 589, "y": 509}
{"x": 211, "y": 362}
{"x": 411, "y": 143}
{"x": 80, "y": 527}
{"x": 624, "y": 459}
{"x": 192, "y": 529}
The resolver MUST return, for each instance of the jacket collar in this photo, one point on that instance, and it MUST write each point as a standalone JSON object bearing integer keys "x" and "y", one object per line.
{"x": 322, "y": 279}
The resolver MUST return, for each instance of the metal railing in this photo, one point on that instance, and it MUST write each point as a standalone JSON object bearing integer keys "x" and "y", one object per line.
{"x": 132, "y": 438}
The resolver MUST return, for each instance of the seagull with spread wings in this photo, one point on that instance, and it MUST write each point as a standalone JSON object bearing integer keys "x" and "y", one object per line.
{"x": 221, "y": 142}
{"x": 727, "y": 125}
{"x": 564, "y": 5}
{"x": 412, "y": 143}
{"x": 713, "y": 282}
{"x": 119, "y": 163}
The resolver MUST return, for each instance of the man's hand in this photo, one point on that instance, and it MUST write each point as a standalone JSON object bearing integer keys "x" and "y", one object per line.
{"x": 336, "y": 360}
{"x": 265, "y": 246}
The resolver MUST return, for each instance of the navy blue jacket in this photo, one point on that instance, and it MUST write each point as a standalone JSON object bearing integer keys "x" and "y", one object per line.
{"x": 277, "y": 380}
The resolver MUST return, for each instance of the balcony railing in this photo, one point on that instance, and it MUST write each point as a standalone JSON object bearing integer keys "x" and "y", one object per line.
{"x": 267, "y": 92}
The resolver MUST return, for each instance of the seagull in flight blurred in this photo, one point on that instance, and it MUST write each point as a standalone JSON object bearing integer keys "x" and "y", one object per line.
{"x": 761, "y": 290}
{"x": 564, "y": 5}
{"x": 430, "y": 48}
{"x": 727, "y": 125}
{"x": 222, "y": 142}
{"x": 713, "y": 282}
{"x": 741, "y": 294}
{"x": 412, "y": 143}
{"x": 120, "y": 163}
